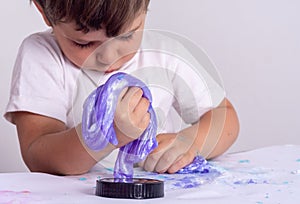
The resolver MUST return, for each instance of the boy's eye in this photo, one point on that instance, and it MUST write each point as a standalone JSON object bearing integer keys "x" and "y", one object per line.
{"x": 86, "y": 45}
{"x": 127, "y": 36}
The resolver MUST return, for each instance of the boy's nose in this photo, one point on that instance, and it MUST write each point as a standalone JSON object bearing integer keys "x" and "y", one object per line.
{"x": 107, "y": 54}
{"x": 107, "y": 57}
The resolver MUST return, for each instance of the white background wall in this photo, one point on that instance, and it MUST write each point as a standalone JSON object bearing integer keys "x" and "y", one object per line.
{"x": 254, "y": 43}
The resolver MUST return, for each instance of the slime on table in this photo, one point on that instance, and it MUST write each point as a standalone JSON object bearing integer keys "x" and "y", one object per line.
{"x": 98, "y": 130}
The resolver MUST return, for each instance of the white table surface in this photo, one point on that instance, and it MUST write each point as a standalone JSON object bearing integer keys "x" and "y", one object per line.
{"x": 266, "y": 175}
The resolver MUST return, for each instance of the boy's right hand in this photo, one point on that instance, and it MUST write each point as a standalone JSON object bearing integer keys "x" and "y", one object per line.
{"x": 131, "y": 115}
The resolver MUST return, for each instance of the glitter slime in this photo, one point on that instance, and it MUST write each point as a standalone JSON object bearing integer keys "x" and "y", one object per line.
{"x": 97, "y": 123}
{"x": 98, "y": 130}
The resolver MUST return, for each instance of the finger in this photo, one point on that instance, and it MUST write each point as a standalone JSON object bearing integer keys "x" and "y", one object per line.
{"x": 181, "y": 162}
{"x": 123, "y": 92}
{"x": 145, "y": 121}
{"x": 142, "y": 107}
{"x": 132, "y": 97}
{"x": 152, "y": 159}
{"x": 164, "y": 141}
{"x": 166, "y": 160}
{"x": 141, "y": 164}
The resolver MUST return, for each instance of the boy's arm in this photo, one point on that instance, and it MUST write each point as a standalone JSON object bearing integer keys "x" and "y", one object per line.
{"x": 211, "y": 136}
{"x": 48, "y": 146}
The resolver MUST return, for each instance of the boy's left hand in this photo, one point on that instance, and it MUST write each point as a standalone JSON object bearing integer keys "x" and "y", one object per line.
{"x": 173, "y": 153}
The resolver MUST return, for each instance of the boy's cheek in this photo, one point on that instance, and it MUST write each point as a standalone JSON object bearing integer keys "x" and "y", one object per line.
{"x": 119, "y": 63}
{"x": 80, "y": 59}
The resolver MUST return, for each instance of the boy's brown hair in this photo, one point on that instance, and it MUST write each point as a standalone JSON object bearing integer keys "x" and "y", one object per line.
{"x": 114, "y": 15}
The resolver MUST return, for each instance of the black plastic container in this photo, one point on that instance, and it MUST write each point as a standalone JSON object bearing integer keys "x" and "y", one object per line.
{"x": 135, "y": 188}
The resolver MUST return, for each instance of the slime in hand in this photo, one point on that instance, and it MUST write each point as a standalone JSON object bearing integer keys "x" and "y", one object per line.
{"x": 98, "y": 130}
{"x": 97, "y": 123}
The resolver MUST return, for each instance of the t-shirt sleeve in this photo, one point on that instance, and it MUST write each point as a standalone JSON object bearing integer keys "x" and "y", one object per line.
{"x": 37, "y": 84}
{"x": 196, "y": 91}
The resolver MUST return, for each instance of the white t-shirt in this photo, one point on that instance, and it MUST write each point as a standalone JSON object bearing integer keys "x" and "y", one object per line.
{"x": 45, "y": 82}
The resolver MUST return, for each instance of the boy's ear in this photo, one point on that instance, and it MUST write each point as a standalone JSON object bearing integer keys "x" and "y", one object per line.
{"x": 41, "y": 10}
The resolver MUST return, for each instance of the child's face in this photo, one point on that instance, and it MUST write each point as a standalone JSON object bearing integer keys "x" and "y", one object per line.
{"x": 94, "y": 50}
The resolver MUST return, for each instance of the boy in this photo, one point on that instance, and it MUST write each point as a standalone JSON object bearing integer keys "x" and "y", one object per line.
{"x": 44, "y": 84}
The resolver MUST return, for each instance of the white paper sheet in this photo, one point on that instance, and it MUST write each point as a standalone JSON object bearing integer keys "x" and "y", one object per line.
{"x": 267, "y": 175}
